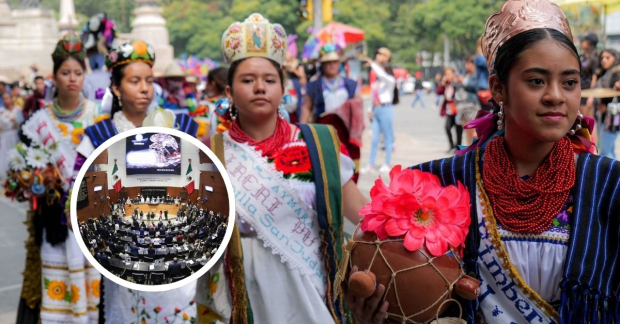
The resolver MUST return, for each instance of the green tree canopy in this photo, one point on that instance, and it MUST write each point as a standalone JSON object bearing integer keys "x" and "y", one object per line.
{"x": 422, "y": 25}
{"x": 405, "y": 26}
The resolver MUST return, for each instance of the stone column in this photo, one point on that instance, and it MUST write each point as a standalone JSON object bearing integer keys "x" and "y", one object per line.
{"x": 67, "y": 21}
{"x": 150, "y": 26}
{"x": 27, "y": 36}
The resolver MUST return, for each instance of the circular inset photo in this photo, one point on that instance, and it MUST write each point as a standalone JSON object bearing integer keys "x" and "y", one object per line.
{"x": 152, "y": 209}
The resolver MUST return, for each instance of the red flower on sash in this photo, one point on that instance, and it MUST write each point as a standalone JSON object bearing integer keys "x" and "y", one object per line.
{"x": 293, "y": 159}
{"x": 417, "y": 208}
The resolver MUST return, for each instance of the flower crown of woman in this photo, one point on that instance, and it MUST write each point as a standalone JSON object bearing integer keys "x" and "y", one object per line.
{"x": 69, "y": 45}
{"x": 134, "y": 51}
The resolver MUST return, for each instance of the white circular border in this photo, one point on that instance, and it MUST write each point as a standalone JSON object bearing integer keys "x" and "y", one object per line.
{"x": 220, "y": 249}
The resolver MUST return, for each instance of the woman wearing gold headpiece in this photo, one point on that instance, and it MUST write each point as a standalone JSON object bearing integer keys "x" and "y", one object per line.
{"x": 292, "y": 186}
{"x": 544, "y": 233}
{"x": 58, "y": 280}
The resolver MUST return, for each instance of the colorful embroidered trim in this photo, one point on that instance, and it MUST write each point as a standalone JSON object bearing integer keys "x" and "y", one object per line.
{"x": 533, "y": 238}
{"x": 324, "y": 148}
{"x": 241, "y": 307}
{"x": 64, "y": 311}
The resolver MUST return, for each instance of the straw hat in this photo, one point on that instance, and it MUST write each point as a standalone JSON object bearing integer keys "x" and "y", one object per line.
{"x": 173, "y": 70}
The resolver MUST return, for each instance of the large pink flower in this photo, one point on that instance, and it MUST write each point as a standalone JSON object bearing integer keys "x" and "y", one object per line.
{"x": 416, "y": 207}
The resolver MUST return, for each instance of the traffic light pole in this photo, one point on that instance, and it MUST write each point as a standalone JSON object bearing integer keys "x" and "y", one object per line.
{"x": 317, "y": 7}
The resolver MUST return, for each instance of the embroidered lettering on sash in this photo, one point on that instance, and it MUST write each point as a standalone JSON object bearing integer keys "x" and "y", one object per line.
{"x": 281, "y": 219}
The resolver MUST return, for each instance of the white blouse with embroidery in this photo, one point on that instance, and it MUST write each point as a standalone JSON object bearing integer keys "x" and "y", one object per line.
{"x": 277, "y": 293}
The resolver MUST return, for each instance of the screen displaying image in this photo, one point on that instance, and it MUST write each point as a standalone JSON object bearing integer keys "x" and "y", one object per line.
{"x": 152, "y": 153}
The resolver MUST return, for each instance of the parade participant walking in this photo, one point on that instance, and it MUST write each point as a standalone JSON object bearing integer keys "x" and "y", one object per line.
{"x": 16, "y": 95}
{"x": 205, "y": 114}
{"x": 176, "y": 93}
{"x": 467, "y": 102}
{"x": 543, "y": 208}
{"x": 36, "y": 100}
{"x": 326, "y": 95}
{"x": 482, "y": 77}
{"x": 447, "y": 89}
{"x": 589, "y": 64}
{"x": 217, "y": 79}
{"x": 306, "y": 165}
{"x": 295, "y": 86}
{"x": 132, "y": 86}
{"x": 382, "y": 114}
{"x": 608, "y": 119}
{"x": 418, "y": 89}
{"x": 55, "y": 266}
{"x": 11, "y": 118}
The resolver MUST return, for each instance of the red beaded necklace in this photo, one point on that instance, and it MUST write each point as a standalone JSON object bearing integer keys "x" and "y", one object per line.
{"x": 268, "y": 146}
{"x": 528, "y": 206}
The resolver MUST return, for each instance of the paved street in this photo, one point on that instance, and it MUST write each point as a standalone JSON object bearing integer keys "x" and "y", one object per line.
{"x": 13, "y": 254}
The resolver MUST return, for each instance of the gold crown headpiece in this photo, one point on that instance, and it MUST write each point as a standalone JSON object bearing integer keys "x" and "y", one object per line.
{"x": 517, "y": 16}
{"x": 254, "y": 37}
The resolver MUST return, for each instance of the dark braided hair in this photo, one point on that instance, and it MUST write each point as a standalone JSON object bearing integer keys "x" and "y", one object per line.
{"x": 115, "y": 80}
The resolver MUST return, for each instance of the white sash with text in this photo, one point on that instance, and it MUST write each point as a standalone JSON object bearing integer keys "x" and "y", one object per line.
{"x": 273, "y": 209}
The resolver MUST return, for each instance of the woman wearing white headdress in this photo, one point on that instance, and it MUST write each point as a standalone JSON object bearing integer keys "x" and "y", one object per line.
{"x": 287, "y": 244}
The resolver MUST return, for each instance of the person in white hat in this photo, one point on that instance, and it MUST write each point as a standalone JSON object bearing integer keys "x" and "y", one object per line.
{"x": 328, "y": 93}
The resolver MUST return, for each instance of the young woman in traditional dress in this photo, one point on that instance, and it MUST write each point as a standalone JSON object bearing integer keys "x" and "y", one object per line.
{"x": 132, "y": 86}
{"x": 206, "y": 115}
{"x": 58, "y": 280}
{"x": 11, "y": 117}
{"x": 291, "y": 185}
{"x": 608, "y": 76}
{"x": 545, "y": 212}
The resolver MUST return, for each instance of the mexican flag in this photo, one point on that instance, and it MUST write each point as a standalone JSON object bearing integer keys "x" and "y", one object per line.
{"x": 189, "y": 187}
{"x": 118, "y": 185}
{"x": 189, "y": 170}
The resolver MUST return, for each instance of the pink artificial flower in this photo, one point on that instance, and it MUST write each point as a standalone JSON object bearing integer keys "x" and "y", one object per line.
{"x": 234, "y": 43}
{"x": 417, "y": 208}
{"x": 113, "y": 57}
{"x": 235, "y": 29}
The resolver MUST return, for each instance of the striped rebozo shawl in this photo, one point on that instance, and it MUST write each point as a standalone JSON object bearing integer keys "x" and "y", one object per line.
{"x": 591, "y": 276}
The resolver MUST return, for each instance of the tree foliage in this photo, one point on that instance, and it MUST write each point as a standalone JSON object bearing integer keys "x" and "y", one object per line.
{"x": 405, "y": 26}
{"x": 422, "y": 25}
{"x": 118, "y": 10}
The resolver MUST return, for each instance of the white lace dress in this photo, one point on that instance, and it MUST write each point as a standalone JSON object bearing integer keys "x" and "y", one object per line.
{"x": 70, "y": 283}
{"x": 277, "y": 293}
